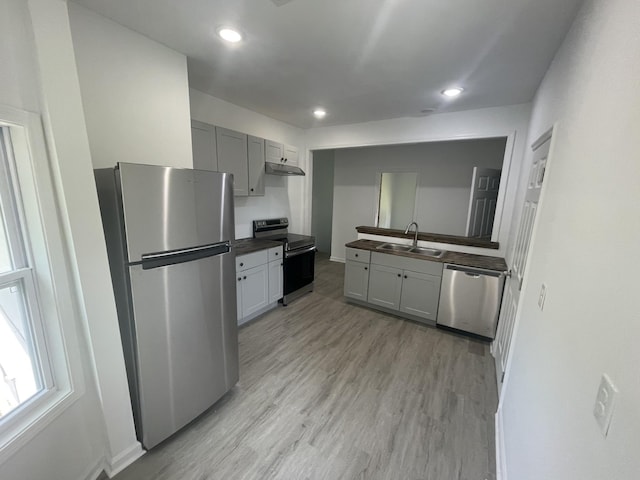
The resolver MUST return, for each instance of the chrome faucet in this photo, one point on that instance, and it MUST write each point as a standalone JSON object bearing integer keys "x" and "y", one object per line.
{"x": 415, "y": 236}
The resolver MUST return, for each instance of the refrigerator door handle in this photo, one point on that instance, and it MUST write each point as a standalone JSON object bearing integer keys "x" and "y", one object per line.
{"x": 163, "y": 259}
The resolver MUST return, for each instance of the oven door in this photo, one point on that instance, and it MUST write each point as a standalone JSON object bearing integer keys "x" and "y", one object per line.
{"x": 298, "y": 268}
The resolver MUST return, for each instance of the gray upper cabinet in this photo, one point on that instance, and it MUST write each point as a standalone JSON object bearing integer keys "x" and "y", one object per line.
{"x": 290, "y": 155}
{"x": 203, "y": 139}
{"x": 279, "y": 153}
{"x": 274, "y": 151}
{"x": 232, "y": 158}
{"x": 255, "y": 146}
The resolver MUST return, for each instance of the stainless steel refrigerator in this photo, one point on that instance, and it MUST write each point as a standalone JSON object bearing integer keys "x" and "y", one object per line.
{"x": 169, "y": 234}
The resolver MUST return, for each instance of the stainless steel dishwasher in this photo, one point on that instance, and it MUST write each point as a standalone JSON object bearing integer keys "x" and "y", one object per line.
{"x": 470, "y": 299}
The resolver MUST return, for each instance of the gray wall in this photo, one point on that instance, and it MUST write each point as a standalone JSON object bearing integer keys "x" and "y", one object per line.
{"x": 444, "y": 183}
{"x": 322, "y": 198}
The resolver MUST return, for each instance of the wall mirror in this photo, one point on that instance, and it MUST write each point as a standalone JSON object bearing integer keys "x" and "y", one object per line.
{"x": 397, "y": 199}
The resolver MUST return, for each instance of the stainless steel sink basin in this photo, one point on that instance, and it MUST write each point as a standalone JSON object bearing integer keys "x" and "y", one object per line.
{"x": 396, "y": 247}
{"x": 429, "y": 252}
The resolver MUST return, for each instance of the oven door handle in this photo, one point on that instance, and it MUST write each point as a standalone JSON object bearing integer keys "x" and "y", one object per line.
{"x": 295, "y": 253}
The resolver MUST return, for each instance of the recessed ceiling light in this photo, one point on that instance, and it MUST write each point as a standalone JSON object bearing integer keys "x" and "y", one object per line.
{"x": 229, "y": 34}
{"x": 452, "y": 92}
{"x": 319, "y": 113}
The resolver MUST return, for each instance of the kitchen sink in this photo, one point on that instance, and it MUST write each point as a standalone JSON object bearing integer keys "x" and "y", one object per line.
{"x": 396, "y": 247}
{"x": 428, "y": 252}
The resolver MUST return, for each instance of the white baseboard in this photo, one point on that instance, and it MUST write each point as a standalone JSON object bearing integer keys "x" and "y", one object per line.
{"x": 501, "y": 460}
{"x": 123, "y": 459}
{"x": 336, "y": 259}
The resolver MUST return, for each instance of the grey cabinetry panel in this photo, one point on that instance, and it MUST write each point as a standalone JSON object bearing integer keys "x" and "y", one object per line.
{"x": 385, "y": 286}
{"x": 276, "y": 152}
{"x": 406, "y": 285}
{"x": 255, "y": 147}
{"x": 232, "y": 158}
{"x": 203, "y": 139}
{"x": 420, "y": 294}
{"x": 356, "y": 280}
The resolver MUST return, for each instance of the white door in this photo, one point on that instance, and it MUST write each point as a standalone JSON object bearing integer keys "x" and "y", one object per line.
{"x": 485, "y": 184}
{"x": 511, "y": 297}
{"x": 255, "y": 289}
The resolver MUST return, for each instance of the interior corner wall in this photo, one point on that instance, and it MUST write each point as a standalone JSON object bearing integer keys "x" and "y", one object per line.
{"x": 135, "y": 94}
{"x": 283, "y": 195}
{"x": 322, "y": 201}
{"x": 442, "y": 194}
{"x": 585, "y": 249}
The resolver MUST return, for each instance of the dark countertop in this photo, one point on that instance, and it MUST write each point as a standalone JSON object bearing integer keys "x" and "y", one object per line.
{"x": 250, "y": 245}
{"x": 430, "y": 237}
{"x": 457, "y": 258}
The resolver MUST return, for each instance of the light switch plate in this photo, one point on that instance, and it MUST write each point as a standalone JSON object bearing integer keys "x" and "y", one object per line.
{"x": 542, "y": 297}
{"x": 605, "y": 403}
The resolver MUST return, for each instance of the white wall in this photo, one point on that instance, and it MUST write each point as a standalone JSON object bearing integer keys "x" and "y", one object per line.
{"x": 37, "y": 50}
{"x": 282, "y": 194}
{"x": 444, "y": 184}
{"x": 590, "y": 323}
{"x": 511, "y": 121}
{"x": 322, "y": 202}
{"x": 135, "y": 94}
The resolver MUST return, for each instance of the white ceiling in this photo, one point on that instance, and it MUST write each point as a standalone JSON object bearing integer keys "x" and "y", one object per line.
{"x": 362, "y": 60}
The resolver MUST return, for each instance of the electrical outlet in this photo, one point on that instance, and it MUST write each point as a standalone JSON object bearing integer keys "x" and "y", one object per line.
{"x": 605, "y": 403}
{"x": 542, "y": 296}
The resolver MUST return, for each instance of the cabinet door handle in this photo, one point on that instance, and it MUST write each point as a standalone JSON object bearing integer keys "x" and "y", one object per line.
{"x": 356, "y": 255}
{"x": 282, "y": 159}
{"x": 405, "y": 276}
{"x": 239, "y": 279}
{"x": 366, "y": 268}
{"x": 252, "y": 189}
{"x": 399, "y": 275}
{"x": 277, "y": 253}
{"x": 241, "y": 264}
{"x": 244, "y": 278}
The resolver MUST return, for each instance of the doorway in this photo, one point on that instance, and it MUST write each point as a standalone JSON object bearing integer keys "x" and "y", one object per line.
{"x": 322, "y": 199}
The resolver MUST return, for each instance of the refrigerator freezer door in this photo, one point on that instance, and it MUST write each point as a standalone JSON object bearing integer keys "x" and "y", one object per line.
{"x": 187, "y": 341}
{"x": 168, "y": 208}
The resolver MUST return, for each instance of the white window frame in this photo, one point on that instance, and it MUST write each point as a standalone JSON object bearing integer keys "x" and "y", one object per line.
{"x": 48, "y": 281}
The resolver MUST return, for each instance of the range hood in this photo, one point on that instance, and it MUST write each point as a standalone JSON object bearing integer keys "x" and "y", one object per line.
{"x": 282, "y": 169}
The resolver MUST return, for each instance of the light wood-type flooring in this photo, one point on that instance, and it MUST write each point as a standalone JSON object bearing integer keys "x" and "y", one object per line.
{"x": 330, "y": 390}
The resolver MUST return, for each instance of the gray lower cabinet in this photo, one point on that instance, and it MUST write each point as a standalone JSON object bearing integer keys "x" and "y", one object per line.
{"x": 385, "y": 286}
{"x": 254, "y": 290}
{"x": 276, "y": 281}
{"x": 259, "y": 282}
{"x": 420, "y": 294}
{"x": 356, "y": 280}
{"x": 407, "y": 285}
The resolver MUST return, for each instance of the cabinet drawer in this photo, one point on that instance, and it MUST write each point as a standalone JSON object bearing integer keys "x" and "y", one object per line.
{"x": 245, "y": 262}
{"x": 275, "y": 253}
{"x": 406, "y": 263}
{"x": 357, "y": 255}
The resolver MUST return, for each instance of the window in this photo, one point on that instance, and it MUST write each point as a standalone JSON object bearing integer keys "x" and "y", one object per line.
{"x": 24, "y": 367}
